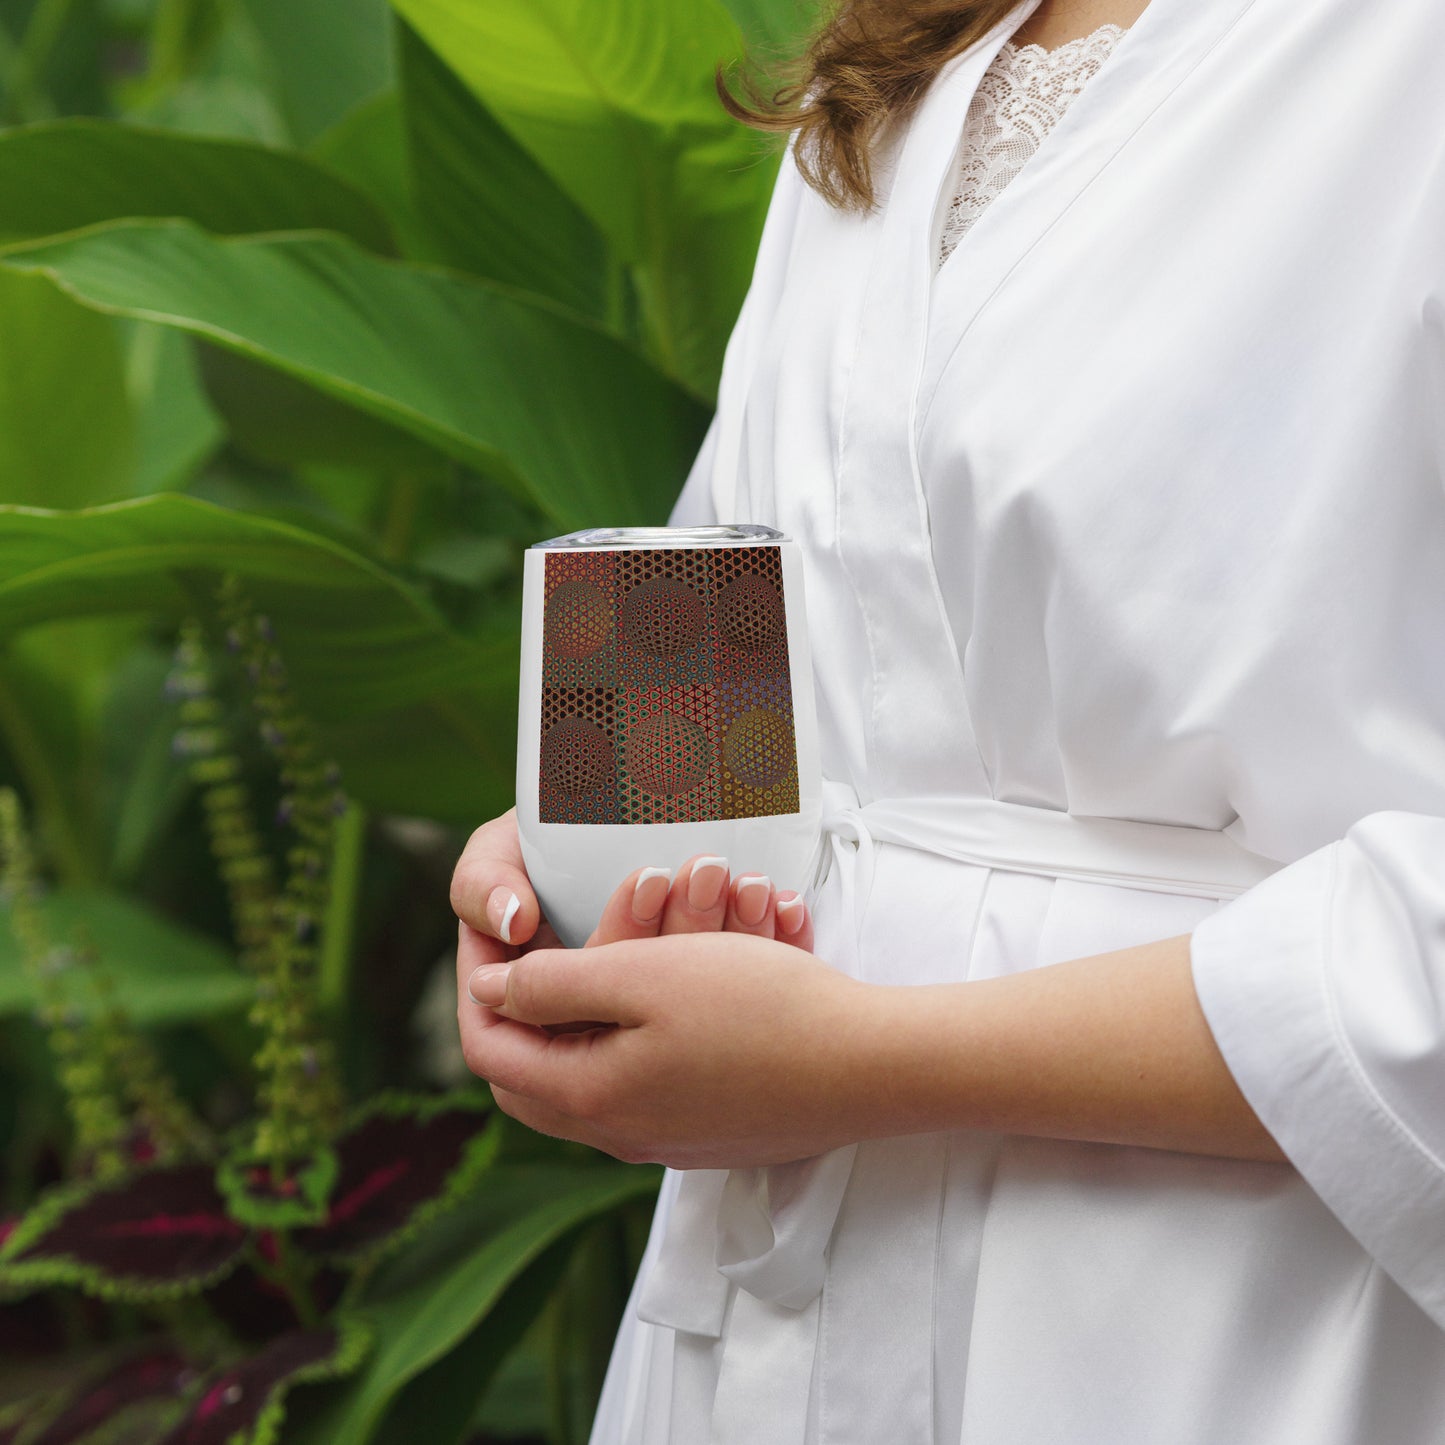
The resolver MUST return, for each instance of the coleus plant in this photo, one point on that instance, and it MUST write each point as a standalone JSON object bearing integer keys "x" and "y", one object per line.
{"x": 235, "y": 1259}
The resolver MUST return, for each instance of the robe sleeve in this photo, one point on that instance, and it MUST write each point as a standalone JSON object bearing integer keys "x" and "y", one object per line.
{"x": 1324, "y": 987}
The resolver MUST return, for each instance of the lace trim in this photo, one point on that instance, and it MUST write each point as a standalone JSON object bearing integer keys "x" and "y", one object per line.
{"x": 1020, "y": 99}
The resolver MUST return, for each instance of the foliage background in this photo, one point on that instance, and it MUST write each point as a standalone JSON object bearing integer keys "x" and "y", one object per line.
{"x": 349, "y": 301}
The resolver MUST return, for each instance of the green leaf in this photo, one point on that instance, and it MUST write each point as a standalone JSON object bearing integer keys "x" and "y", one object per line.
{"x": 78, "y": 172}
{"x": 617, "y": 103}
{"x": 428, "y": 1300}
{"x": 368, "y": 147}
{"x": 326, "y": 55}
{"x": 66, "y": 429}
{"x": 517, "y": 388}
{"x": 493, "y": 209}
{"x": 163, "y": 973}
{"x": 370, "y": 659}
{"x": 775, "y": 28}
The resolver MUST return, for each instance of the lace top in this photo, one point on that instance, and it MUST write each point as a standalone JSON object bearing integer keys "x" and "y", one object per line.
{"x": 1020, "y": 98}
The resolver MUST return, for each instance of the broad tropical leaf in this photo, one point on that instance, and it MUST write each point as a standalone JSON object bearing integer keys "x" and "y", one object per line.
{"x": 567, "y": 415}
{"x": 326, "y": 55}
{"x": 66, "y": 428}
{"x": 163, "y": 973}
{"x": 775, "y": 28}
{"x": 494, "y": 211}
{"x": 77, "y": 172}
{"x": 617, "y": 102}
{"x": 159, "y": 1234}
{"x": 422, "y": 720}
{"x": 428, "y": 1299}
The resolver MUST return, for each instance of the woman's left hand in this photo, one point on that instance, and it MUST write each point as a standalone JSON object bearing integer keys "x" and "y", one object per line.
{"x": 708, "y": 1050}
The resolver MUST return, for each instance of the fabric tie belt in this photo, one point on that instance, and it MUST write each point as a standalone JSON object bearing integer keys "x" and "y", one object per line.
{"x": 767, "y": 1230}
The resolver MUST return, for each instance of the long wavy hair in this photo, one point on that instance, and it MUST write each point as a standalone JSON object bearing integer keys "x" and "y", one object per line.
{"x": 865, "y": 68}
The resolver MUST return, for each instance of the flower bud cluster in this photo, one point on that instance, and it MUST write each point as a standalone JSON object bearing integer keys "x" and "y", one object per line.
{"x": 123, "y": 1103}
{"x": 298, "y": 1089}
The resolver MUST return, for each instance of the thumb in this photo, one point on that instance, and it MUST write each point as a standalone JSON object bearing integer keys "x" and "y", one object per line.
{"x": 552, "y": 986}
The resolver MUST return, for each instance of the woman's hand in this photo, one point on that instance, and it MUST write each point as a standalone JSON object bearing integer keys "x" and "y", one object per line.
{"x": 708, "y": 1050}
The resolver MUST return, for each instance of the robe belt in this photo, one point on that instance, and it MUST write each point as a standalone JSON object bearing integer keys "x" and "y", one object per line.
{"x": 767, "y": 1230}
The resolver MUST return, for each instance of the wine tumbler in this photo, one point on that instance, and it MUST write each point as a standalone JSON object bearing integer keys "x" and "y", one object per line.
{"x": 666, "y": 710}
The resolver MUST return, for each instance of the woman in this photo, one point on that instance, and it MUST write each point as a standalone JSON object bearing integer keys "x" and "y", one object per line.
{"x": 1118, "y": 1116}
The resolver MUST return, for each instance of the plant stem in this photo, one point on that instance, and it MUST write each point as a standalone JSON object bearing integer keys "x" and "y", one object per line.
{"x": 288, "y": 1276}
{"x": 73, "y": 861}
{"x": 400, "y": 522}
{"x": 338, "y": 928}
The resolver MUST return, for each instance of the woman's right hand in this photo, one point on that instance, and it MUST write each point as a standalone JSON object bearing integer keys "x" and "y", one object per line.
{"x": 500, "y": 918}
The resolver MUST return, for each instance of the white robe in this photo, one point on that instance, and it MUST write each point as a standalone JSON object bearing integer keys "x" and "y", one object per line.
{"x": 1135, "y": 510}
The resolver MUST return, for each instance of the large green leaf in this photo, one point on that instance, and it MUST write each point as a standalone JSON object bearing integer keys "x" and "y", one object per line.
{"x": 556, "y": 408}
{"x": 431, "y": 1299}
{"x": 493, "y": 210}
{"x": 162, "y": 973}
{"x": 775, "y": 29}
{"x": 326, "y": 56}
{"x": 66, "y": 428}
{"x": 371, "y": 661}
{"x": 617, "y": 103}
{"x": 73, "y": 173}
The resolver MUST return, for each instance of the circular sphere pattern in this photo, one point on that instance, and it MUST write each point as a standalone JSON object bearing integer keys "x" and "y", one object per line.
{"x": 667, "y": 754}
{"x": 662, "y": 617}
{"x": 758, "y": 747}
{"x": 750, "y": 613}
{"x": 577, "y": 757}
{"x": 578, "y": 620}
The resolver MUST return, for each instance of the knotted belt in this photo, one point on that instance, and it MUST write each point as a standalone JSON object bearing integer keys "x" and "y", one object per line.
{"x": 767, "y": 1230}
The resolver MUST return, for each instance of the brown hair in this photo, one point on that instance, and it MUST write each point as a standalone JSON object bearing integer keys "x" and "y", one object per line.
{"x": 866, "y": 67}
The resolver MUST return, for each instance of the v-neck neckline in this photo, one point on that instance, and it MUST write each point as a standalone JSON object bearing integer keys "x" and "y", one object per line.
{"x": 1151, "y": 60}
{"x": 909, "y": 326}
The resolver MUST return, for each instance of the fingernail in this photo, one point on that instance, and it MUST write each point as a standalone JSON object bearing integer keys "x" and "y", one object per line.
{"x": 502, "y": 908}
{"x": 649, "y": 893}
{"x": 790, "y": 912}
{"x": 706, "y": 883}
{"x": 488, "y": 984}
{"x": 753, "y": 895}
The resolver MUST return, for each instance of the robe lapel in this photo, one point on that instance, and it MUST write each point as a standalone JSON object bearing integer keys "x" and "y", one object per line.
{"x": 1163, "y": 47}
{"x": 916, "y": 719}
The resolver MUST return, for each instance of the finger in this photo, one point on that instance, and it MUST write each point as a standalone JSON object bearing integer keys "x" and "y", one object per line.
{"x": 793, "y": 920}
{"x": 540, "y": 1117}
{"x": 490, "y": 888}
{"x": 635, "y": 908}
{"x": 598, "y": 986}
{"x": 750, "y": 905}
{"x": 699, "y": 898}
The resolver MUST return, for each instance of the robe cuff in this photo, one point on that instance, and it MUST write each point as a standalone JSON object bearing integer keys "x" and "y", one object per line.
{"x": 1262, "y": 969}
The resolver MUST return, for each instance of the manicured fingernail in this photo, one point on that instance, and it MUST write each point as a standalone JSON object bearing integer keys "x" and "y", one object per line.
{"x": 649, "y": 893}
{"x": 790, "y": 913}
{"x": 502, "y": 908}
{"x": 753, "y": 895}
{"x": 706, "y": 883}
{"x": 488, "y": 984}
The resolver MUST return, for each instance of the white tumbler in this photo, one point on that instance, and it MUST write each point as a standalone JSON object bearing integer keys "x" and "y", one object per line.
{"x": 666, "y": 710}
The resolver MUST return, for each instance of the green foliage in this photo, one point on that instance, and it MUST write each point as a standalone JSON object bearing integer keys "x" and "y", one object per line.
{"x": 334, "y": 306}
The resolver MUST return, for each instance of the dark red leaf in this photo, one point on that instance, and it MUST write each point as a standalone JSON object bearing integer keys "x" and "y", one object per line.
{"x": 394, "y": 1163}
{"x": 164, "y": 1231}
{"x": 160, "y": 1374}
{"x": 232, "y": 1403}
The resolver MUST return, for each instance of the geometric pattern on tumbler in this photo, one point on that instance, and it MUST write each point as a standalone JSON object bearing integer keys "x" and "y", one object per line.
{"x": 759, "y": 748}
{"x": 579, "y": 621}
{"x": 578, "y": 772}
{"x": 667, "y": 754}
{"x": 667, "y": 695}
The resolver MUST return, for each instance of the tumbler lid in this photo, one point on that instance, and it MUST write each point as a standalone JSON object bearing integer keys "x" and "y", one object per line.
{"x": 732, "y": 534}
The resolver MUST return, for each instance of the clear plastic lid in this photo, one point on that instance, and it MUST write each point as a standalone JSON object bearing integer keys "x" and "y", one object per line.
{"x": 732, "y": 534}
